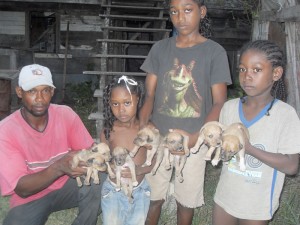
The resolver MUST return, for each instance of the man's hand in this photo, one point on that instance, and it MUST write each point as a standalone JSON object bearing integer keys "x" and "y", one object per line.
{"x": 64, "y": 166}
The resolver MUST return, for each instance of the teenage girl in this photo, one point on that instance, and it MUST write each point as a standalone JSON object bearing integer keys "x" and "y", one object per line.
{"x": 186, "y": 86}
{"x": 122, "y": 99}
{"x": 252, "y": 197}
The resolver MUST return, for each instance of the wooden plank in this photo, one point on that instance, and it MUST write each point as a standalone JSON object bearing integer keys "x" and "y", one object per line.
{"x": 128, "y": 17}
{"x": 136, "y": 29}
{"x": 138, "y": 42}
{"x": 51, "y": 55}
{"x": 118, "y": 56}
{"x": 9, "y": 74}
{"x": 81, "y": 23}
{"x": 291, "y": 14}
{"x": 111, "y": 73}
{"x": 92, "y": 2}
{"x": 132, "y": 7}
{"x": 96, "y": 116}
{"x": 12, "y": 23}
{"x": 98, "y": 93}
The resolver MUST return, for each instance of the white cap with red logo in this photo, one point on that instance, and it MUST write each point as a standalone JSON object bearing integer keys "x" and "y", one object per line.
{"x": 35, "y": 75}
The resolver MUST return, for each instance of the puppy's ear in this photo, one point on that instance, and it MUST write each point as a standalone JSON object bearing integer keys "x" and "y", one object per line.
{"x": 165, "y": 141}
{"x": 149, "y": 139}
{"x": 95, "y": 149}
{"x": 90, "y": 161}
{"x": 202, "y": 129}
{"x": 127, "y": 150}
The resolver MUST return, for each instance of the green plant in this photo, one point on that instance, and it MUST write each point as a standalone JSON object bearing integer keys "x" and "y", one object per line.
{"x": 235, "y": 90}
{"x": 81, "y": 99}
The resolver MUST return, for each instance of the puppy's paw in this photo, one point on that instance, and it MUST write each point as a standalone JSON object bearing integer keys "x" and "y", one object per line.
{"x": 168, "y": 166}
{"x": 180, "y": 179}
{"x": 207, "y": 158}
{"x": 242, "y": 167}
{"x": 215, "y": 162}
{"x": 79, "y": 183}
{"x": 135, "y": 183}
{"x": 112, "y": 176}
{"x": 73, "y": 165}
{"x": 147, "y": 163}
{"x": 118, "y": 188}
{"x": 153, "y": 172}
{"x": 87, "y": 183}
{"x": 96, "y": 181}
{"x": 131, "y": 154}
{"x": 194, "y": 150}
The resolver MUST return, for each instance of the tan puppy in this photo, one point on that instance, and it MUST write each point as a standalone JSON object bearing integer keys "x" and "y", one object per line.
{"x": 104, "y": 151}
{"x": 147, "y": 137}
{"x": 233, "y": 142}
{"x": 176, "y": 151}
{"x": 97, "y": 151}
{"x": 122, "y": 159}
{"x": 94, "y": 165}
{"x": 211, "y": 135}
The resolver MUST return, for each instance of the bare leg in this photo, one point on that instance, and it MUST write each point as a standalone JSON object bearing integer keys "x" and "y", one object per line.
{"x": 184, "y": 215}
{"x": 154, "y": 212}
{"x": 220, "y": 217}
{"x": 253, "y": 222}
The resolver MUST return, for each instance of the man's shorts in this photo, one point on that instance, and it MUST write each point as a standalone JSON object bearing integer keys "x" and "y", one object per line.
{"x": 189, "y": 193}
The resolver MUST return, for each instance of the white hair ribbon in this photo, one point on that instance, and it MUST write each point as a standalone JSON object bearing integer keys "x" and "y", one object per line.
{"x": 127, "y": 81}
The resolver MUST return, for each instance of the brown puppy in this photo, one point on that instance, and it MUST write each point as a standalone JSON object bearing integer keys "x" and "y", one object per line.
{"x": 176, "y": 151}
{"x": 122, "y": 159}
{"x": 233, "y": 142}
{"x": 96, "y": 151}
{"x": 150, "y": 138}
{"x": 211, "y": 135}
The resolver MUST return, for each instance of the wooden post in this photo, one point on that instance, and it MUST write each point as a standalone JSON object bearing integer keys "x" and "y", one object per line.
{"x": 65, "y": 64}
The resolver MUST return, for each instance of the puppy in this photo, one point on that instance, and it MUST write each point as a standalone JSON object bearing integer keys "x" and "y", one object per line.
{"x": 122, "y": 159}
{"x": 98, "y": 163}
{"x": 233, "y": 142}
{"x": 95, "y": 152}
{"x": 104, "y": 151}
{"x": 211, "y": 135}
{"x": 176, "y": 151}
{"x": 147, "y": 137}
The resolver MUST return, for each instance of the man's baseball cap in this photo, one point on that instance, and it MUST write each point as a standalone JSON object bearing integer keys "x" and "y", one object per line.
{"x": 34, "y": 75}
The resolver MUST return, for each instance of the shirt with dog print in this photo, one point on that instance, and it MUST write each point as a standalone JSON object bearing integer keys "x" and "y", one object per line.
{"x": 183, "y": 99}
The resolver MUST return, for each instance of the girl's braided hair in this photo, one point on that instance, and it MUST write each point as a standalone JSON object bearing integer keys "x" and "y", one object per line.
{"x": 205, "y": 23}
{"x": 277, "y": 58}
{"x": 108, "y": 115}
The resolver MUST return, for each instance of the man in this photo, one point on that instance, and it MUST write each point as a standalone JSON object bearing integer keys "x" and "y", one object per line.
{"x": 37, "y": 145}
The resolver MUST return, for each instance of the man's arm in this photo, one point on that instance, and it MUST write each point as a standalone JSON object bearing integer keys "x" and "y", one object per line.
{"x": 33, "y": 183}
{"x": 146, "y": 110}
